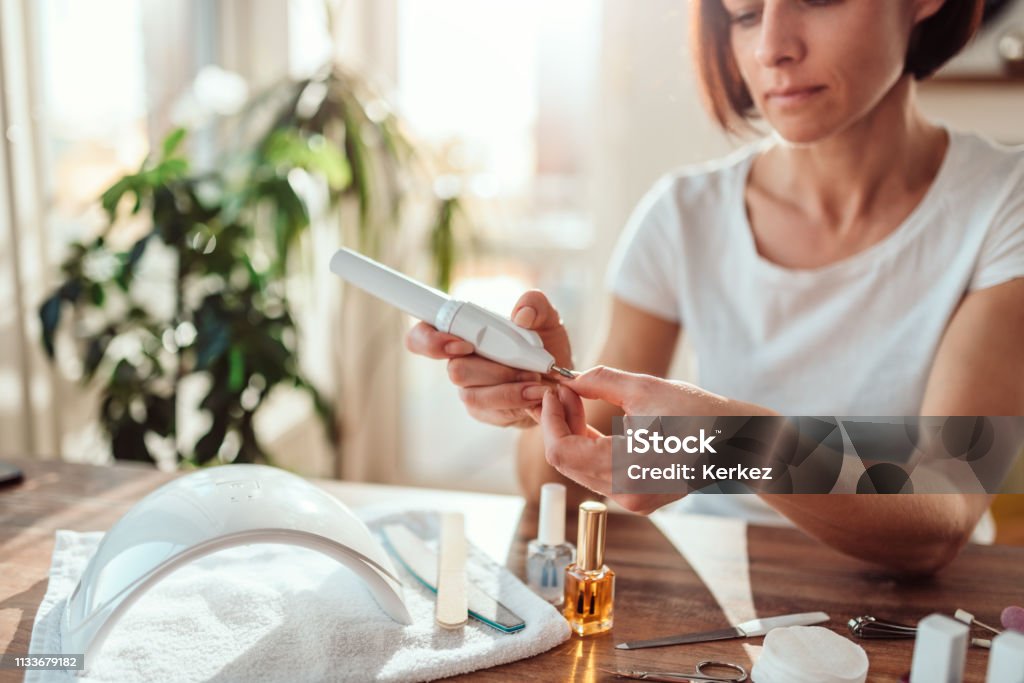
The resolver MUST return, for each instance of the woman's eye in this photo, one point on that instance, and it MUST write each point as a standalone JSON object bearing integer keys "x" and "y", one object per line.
{"x": 744, "y": 19}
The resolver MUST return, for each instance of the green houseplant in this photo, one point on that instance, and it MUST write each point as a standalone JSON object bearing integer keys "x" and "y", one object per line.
{"x": 229, "y": 235}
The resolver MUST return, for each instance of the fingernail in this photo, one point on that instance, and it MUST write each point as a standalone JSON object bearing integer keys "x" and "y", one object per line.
{"x": 527, "y": 377}
{"x": 525, "y": 316}
{"x": 458, "y": 348}
{"x": 535, "y": 393}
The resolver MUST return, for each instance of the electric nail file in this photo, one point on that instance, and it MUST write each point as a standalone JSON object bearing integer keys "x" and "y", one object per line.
{"x": 492, "y": 336}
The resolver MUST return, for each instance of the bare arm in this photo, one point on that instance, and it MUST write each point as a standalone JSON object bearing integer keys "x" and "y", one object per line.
{"x": 636, "y": 341}
{"x": 978, "y": 370}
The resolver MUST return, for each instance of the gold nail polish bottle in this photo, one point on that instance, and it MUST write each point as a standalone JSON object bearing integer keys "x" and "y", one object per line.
{"x": 589, "y": 584}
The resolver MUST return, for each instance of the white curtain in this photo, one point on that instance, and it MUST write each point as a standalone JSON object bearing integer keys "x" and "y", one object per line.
{"x": 30, "y": 420}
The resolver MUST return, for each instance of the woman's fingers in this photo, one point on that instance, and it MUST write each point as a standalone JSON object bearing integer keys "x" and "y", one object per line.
{"x": 553, "y": 420}
{"x": 427, "y": 341}
{"x": 499, "y": 418}
{"x": 584, "y": 459}
{"x": 474, "y": 371}
{"x": 572, "y": 405}
{"x": 515, "y": 395}
{"x": 608, "y": 384}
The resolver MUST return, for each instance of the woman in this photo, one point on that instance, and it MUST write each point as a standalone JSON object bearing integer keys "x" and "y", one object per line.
{"x": 863, "y": 261}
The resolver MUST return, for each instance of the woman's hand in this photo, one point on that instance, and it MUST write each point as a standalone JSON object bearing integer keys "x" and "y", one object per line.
{"x": 495, "y": 393}
{"x": 650, "y": 395}
{"x": 584, "y": 454}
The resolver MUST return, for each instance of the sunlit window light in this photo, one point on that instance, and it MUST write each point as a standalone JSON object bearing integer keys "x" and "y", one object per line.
{"x": 468, "y": 80}
{"x": 497, "y": 293}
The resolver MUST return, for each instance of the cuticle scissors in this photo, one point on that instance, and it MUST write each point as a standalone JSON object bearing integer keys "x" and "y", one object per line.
{"x": 699, "y": 675}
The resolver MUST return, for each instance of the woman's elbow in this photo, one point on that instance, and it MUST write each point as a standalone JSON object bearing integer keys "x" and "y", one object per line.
{"x": 932, "y": 555}
{"x": 929, "y": 562}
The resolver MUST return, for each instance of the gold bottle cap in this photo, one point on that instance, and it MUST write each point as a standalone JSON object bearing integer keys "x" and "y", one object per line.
{"x": 593, "y": 518}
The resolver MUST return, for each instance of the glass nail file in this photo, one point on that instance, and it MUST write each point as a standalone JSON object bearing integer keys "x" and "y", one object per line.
{"x": 492, "y": 336}
{"x": 421, "y": 561}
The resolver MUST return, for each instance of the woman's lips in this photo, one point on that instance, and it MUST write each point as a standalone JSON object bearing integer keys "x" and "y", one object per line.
{"x": 793, "y": 96}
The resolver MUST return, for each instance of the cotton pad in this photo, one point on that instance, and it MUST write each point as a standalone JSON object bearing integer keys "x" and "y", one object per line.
{"x": 809, "y": 654}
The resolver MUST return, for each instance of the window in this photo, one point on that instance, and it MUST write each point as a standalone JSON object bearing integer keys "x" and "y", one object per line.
{"x": 504, "y": 91}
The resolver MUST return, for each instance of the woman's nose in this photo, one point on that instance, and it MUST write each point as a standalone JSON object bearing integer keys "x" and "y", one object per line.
{"x": 780, "y": 41}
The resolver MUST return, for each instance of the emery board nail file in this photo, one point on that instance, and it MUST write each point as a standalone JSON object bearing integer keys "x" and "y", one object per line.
{"x": 1006, "y": 662}
{"x": 940, "y": 650}
{"x": 451, "y": 608}
{"x": 421, "y": 561}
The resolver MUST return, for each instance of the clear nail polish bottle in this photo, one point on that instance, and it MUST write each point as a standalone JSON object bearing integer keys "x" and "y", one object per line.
{"x": 548, "y": 555}
{"x": 589, "y": 583}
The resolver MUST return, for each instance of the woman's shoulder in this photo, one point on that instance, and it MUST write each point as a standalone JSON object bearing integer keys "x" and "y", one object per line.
{"x": 982, "y": 157}
{"x": 984, "y": 180}
{"x": 707, "y": 183}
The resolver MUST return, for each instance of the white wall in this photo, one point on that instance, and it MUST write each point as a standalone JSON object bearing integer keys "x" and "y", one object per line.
{"x": 992, "y": 109}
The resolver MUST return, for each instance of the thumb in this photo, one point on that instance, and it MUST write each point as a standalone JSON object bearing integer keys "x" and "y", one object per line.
{"x": 534, "y": 312}
{"x": 617, "y": 387}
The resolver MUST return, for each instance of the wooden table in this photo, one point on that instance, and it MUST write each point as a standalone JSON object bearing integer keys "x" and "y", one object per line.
{"x": 675, "y": 573}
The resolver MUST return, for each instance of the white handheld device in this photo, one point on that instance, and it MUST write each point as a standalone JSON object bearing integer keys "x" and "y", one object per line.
{"x": 492, "y": 336}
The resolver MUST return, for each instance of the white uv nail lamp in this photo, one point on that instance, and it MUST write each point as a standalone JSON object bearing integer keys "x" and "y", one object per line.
{"x": 209, "y": 511}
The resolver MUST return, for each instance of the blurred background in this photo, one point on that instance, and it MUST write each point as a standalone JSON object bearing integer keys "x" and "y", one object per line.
{"x": 530, "y": 129}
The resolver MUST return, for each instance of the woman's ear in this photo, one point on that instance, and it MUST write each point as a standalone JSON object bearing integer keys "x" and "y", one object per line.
{"x": 925, "y": 9}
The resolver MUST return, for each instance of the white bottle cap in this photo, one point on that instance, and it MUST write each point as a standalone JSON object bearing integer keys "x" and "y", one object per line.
{"x": 551, "y": 529}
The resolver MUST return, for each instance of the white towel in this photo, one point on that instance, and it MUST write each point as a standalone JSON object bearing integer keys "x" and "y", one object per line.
{"x": 280, "y": 613}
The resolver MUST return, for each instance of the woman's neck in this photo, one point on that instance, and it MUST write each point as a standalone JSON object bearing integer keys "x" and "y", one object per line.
{"x": 840, "y": 181}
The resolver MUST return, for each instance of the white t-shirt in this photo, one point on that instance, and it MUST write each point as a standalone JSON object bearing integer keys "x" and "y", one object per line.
{"x": 855, "y": 337}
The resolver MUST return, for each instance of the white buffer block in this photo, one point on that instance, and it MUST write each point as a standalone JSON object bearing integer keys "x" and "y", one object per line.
{"x": 940, "y": 650}
{"x": 1006, "y": 661}
{"x": 452, "y": 608}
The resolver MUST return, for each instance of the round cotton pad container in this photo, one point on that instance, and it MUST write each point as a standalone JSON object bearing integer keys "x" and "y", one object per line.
{"x": 809, "y": 654}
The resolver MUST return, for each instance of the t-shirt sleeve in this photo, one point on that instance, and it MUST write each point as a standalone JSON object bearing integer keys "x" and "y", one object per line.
{"x": 642, "y": 268}
{"x": 1002, "y": 253}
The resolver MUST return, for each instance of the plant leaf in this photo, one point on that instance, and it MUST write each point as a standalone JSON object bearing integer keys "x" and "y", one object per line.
{"x": 172, "y": 141}
{"x": 212, "y": 340}
{"x": 236, "y": 369}
{"x": 171, "y": 169}
{"x": 49, "y": 316}
{"x": 160, "y": 414}
{"x": 112, "y": 196}
{"x": 442, "y": 242}
{"x": 128, "y": 442}
{"x": 208, "y": 446}
{"x": 95, "y": 351}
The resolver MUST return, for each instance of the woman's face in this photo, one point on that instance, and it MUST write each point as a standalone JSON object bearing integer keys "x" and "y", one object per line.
{"x": 815, "y": 67}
